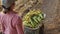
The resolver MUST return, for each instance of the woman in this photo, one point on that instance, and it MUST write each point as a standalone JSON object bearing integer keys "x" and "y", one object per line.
{"x": 11, "y": 22}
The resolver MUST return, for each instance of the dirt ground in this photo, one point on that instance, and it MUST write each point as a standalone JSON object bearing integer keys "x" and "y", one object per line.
{"x": 52, "y": 21}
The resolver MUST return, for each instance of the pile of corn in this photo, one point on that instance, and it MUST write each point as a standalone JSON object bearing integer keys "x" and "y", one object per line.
{"x": 33, "y": 18}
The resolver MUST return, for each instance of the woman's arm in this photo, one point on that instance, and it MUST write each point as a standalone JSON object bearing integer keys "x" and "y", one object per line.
{"x": 2, "y": 28}
{"x": 19, "y": 26}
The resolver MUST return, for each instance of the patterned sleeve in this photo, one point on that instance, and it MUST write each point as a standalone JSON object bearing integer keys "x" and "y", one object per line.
{"x": 19, "y": 26}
